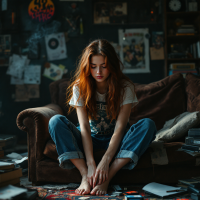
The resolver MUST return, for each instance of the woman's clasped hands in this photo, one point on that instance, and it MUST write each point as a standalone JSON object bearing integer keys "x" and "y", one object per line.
{"x": 98, "y": 175}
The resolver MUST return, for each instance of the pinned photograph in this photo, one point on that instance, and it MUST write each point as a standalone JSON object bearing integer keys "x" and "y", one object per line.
{"x": 5, "y": 49}
{"x": 157, "y": 40}
{"x": 32, "y": 74}
{"x": 110, "y": 12}
{"x": 101, "y": 13}
{"x": 134, "y": 52}
{"x": 56, "y": 46}
{"x": 33, "y": 91}
{"x": 54, "y": 72}
{"x": 21, "y": 93}
{"x": 157, "y": 49}
{"x": 5, "y": 45}
{"x": 118, "y": 12}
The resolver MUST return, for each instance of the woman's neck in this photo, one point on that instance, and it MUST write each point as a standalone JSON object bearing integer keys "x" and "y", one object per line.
{"x": 102, "y": 87}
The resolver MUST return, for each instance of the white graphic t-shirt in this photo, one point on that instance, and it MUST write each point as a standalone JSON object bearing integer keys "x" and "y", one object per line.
{"x": 103, "y": 123}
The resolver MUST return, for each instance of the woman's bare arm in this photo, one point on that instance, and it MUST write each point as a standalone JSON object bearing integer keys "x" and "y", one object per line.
{"x": 118, "y": 134}
{"x": 101, "y": 174}
{"x": 85, "y": 134}
{"x": 87, "y": 143}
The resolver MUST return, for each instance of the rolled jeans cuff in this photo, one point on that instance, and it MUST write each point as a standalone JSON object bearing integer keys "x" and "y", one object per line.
{"x": 64, "y": 159}
{"x": 128, "y": 154}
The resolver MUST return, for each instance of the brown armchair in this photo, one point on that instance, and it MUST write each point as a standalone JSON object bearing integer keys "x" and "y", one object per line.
{"x": 43, "y": 165}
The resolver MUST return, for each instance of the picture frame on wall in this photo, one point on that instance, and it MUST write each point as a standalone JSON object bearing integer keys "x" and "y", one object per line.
{"x": 110, "y": 12}
{"x": 134, "y": 52}
{"x": 5, "y": 49}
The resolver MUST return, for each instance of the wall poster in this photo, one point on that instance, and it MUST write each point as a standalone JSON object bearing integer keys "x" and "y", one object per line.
{"x": 55, "y": 46}
{"x": 110, "y": 12}
{"x": 5, "y": 49}
{"x": 134, "y": 52}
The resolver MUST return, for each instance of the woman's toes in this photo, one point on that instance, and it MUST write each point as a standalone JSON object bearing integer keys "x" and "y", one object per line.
{"x": 92, "y": 192}
{"x": 85, "y": 192}
{"x": 82, "y": 191}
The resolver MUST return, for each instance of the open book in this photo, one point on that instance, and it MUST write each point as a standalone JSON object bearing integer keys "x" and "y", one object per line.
{"x": 162, "y": 190}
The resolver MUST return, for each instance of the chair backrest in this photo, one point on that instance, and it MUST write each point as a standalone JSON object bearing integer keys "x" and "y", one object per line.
{"x": 58, "y": 96}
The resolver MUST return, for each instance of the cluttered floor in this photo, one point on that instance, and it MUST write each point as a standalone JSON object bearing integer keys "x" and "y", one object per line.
{"x": 115, "y": 192}
{"x": 14, "y": 185}
{"x": 25, "y": 191}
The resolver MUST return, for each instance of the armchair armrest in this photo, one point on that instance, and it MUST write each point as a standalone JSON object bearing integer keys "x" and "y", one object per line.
{"x": 35, "y": 121}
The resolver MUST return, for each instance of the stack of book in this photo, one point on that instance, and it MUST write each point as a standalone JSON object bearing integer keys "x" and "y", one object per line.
{"x": 18, "y": 193}
{"x": 195, "y": 49}
{"x": 9, "y": 174}
{"x": 1, "y": 150}
{"x": 186, "y": 30}
{"x": 192, "y": 185}
{"x": 182, "y": 68}
{"x": 192, "y": 142}
{"x": 7, "y": 144}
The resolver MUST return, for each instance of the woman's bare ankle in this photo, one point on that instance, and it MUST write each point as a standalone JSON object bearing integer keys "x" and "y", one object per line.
{"x": 81, "y": 166}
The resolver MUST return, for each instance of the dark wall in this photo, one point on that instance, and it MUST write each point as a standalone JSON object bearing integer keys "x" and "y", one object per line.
{"x": 9, "y": 109}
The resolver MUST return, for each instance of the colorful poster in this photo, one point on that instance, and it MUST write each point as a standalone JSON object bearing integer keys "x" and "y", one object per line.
{"x": 157, "y": 40}
{"x": 41, "y": 11}
{"x": 134, "y": 52}
{"x": 110, "y": 12}
{"x": 32, "y": 74}
{"x": 157, "y": 49}
{"x": 54, "y": 72}
{"x": 5, "y": 49}
{"x": 56, "y": 46}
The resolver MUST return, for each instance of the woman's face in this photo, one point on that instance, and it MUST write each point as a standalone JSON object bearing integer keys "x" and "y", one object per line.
{"x": 98, "y": 68}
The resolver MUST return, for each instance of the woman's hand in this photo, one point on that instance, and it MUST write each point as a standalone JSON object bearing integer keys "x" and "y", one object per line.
{"x": 101, "y": 174}
{"x": 91, "y": 173}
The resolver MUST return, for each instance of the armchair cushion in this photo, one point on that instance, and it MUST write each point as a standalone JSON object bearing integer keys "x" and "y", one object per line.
{"x": 58, "y": 96}
{"x": 178, "y": 127}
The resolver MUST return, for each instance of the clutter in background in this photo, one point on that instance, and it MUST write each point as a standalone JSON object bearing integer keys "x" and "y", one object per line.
{"x": 12, "y": 167}
{"x": 13, "y": 192}
{"x": 192, "y": 143}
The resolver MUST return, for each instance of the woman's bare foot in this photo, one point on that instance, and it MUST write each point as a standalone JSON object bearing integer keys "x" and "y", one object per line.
{"x": 85, "y": 187}
{"x": 100, "y": 189}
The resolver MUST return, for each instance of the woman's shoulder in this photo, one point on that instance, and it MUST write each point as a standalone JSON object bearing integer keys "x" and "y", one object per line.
{"x": 127, "y": 84}
{"x": 76, "y": 85}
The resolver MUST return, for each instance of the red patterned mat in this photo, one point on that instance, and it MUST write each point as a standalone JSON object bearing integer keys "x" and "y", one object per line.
{"x": 70, "y": 195}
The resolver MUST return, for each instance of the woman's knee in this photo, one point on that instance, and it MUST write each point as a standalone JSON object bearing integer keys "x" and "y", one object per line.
{"x": 149, "y": 123}
{"x": 55, "y": 121}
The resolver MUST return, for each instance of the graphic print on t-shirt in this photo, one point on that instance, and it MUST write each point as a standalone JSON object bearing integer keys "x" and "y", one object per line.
{"x": 102, "y": 123}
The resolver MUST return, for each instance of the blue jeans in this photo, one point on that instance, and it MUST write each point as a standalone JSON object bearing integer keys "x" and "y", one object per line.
{"x": 67, "y": 138}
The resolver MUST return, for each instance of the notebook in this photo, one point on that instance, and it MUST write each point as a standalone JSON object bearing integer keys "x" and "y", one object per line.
{"x": 161, "y": 190}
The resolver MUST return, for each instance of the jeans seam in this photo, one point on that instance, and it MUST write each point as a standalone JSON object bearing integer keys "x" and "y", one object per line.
{"x": 72, "y": 129}
{"x": 127, "y": 136}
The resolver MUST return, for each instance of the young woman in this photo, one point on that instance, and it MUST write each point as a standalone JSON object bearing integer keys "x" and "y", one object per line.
{"x": 103, "y": 97}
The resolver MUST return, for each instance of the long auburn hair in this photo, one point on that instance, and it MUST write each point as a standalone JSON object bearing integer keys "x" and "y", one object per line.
{"x": 87, "y": 84}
